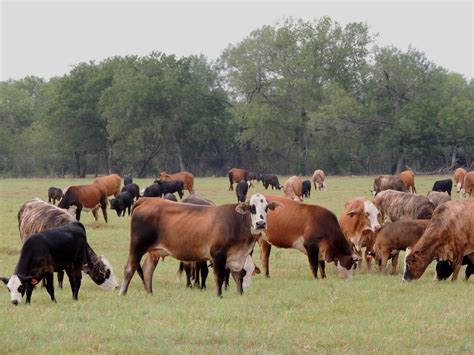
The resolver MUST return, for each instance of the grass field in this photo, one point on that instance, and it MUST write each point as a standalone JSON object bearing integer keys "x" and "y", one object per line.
{"x": 290, "y": 312}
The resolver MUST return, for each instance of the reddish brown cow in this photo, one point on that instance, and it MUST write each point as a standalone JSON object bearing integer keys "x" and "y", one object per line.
{"x": 408, "y": 178}
{"x": 448, "y": 237}
{"x": 318, "y": 179}
{"x": 184, "y": 176}
{"x": 293, "y": 188}
{"x": 394, "y": 237}
{"x": 459, "y": 174}
{"x": 388, "y": 182}
{"x": 311, "y": 229}
{"x": 111, "y": 184}
{"x": 467, "y": 184}
{"x": 237, "y": 175}
{"x": 92, "y": 196}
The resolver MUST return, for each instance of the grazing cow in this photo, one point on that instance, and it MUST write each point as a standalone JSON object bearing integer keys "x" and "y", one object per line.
{"x": 359, "y": 222}
{"x": 127, "y": 180}
{"x": 437, "y": 198}
{"x": 54, "y": 194}
{"x": 170, "y": 187}
{"x": 467, "y": 184}
{"x": 443, "y": 186}
{"x": 224, "y": 234}
{"x": 311, "y": 229}
{"x": 170, "y": 197}
{"x": 254, "y": 177}
{"x": 237, "y": 175}
{"x": 307, "y": 188}
{"x": 394, "y": 237}
{"x": 111, "y": 184}
{"x": 408, "y": 178}
{"x": 444, "y": 269}
{"x": 270, "y": 180}
{"x": 241, "y": 190}
{"x": 318, "y": 179}
{"x": 396, "y": 205}
{"x": 124, "y": 201}
{"x": 448, "y": 237}
{"x": 184, "y": 176}
{"x": 42, "y": 254}
{"x": 293, "y": 188}
{"x": 154, "y": 190}
{"x": 459, "y": 174}
{"x": 388, "y": 182}
{"x": 133, "y": 189}
{"x": 36, "y": 216}
{"x": 92, "y": 196}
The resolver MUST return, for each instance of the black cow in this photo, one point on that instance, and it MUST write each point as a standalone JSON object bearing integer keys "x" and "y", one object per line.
{"x": 54, "y": 194}
{"x": 42, "y": 254}
{"x": 241, "y": 191}
{"x": 171, "y": 187}
{"x": 123, "y": 202}
{"x": 133, "y": 189}
{"x": 154, "y": 190}
{"x": 270, "y": 180}
{"x": 444, "y": 268}
{"x": 443, "y": 186}
{"x": 170, "y": 197}
{"x": 307, "y": 188}
{"x": 127, "y": 180}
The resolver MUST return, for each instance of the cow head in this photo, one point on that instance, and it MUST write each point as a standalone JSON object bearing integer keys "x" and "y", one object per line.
{"x": 415, "y": 264}
{"x": 17, "y": 286}
{"x": 365, "y": 218}
{"x": 102, "y": 274}
{"x": 345, "y": 264}
{"x": 258, "y": 208}
{"x": 115, "y": 204}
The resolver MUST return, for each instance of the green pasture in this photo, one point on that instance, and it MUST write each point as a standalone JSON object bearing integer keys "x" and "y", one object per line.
{"x": 288, "y": 313}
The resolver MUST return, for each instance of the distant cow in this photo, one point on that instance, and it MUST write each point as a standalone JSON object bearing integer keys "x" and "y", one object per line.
{"x": 408, "y": 178}
{"x": 254, "y": 177}
{"x": 241, "y": 190}
{"x": 170, "y": 197}
{"x": 307, "y": 188}
{"x": 92, "y": 196}
{"x": 394, "y": 237}
{"x": 270, "y": 180}
{"x": 444, "y": 269}
{"x": 133, "y": 189}
{"x": 127, "y": 180}
{"x": 437, "y": 198}
{"x": 448, "y": 237}
{"x": 111, "y": 183}
{"x": 396, "y": 205}
{"x": 467, "y": 184}
{"x": 54, "y": 194}
{"x": 186, "y": 177}
{"x": 459, "y": 174}
{"x": 388, "y": 182}
{"x": 237, "y": 175}
{"x": 123, "y": 202}
{"x": 293, "y": 188}
{"x": 170, "y": 187}
{"x": 318, "y": 179}
{"x": 311, "y": 229}
{"x": 443, "y": 186}
{"x": 154, "y": 190}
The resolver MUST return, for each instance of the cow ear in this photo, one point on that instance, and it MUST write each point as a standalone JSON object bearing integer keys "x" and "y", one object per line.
{"x": 274, "y": 205}
{"x": 242, "y": 208}
{"x": 5, "y": 280}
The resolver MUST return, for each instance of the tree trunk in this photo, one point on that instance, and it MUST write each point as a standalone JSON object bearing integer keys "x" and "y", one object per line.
{"x": 453, "y": 157}
{"x": 302, "y": 145}
{"x": 77, "y": 171}
{"x": 83, "y": 165}
{"x": 400, "y": 164}
{"x": 179, "y": 155}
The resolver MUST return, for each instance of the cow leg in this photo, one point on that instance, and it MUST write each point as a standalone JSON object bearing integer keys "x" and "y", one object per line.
{"x": 128, "y": 271}
{"x": 322, "y": 268}
{"x": 265, "y": 256}
{"x": 49, "y": 285}
{"x": 226, "y": 279}
{"x": 78, "y": 280}
{"x": 95, "y": 214}
{"x": 188, "y": 270}
{"x": 469, "y": 271}
{"x": 414, "y": 189}
{"x": 29, "y": 290}
{"x": 60, "y": 278}
{"x": 394, "y": 264}
{"x": 219, "y": 261}
{"x": 238, "y": 277}
{"x": 312, "y": 251}
{"x": 78, "y": 212}
{"x": 368, "y": 259}
{"x": 383, "y": 262}
{"x": 149, "y": 266}
{"x": 456, "y": 267}
{"x": 72, "y": 281}
{"x": 204, "y": 273}
{"x": 103, "y": 206}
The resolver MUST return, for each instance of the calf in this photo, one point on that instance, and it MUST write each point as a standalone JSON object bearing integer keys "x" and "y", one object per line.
{"x": 154, "y": 190}
{"x": 307, "y": 188}
{"x": 133, "y": 189}
{"x": 396, "y": 205}
{"x": 293, "y": 188}
{"x": 171, "y": 187}
{"x": 444, "y": 269}
{"x": 443, "y": 186}
{"x": 123, "y": 202}
{"x": 92, "y": 196}
{"x": 54, "y": 194}
{"x": 394, "y": 237}
{"x": 241, "y": 190}
{"x": 388, "y": 182}
{"x": 270, "y": 180}
{"x": 127, "y": 180}
{"x": 437, "y": 198}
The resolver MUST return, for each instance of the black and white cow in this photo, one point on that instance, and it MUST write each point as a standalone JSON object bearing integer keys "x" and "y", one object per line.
{"x": 241, "y": 190}
{"x": 123, "y": 202}
{"x": 307, "y": 188}
{"x": 443, "y": 186}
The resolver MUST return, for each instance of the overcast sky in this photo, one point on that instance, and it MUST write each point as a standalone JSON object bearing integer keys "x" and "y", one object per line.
{"x": 47, "y": 38}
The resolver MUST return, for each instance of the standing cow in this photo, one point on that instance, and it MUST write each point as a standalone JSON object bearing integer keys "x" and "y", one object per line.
{"x": 186, "y": 177}
{"x": 408, "y": 178}
{"x": 443, "y": 186}
{"x": 54, "y": 194}
{"x": 396, "y": 205}
{"x": 307, "y": 189}
{"x": 467, "y": 184}
{"x": 388, "y": 182}
{"x": 237, "y": 175}
{"x": 92, "y": 196}
{"x": 319, "y": 179}
{"x": 111, "y": 184}
{"x": 293, "y": 188}
{"x": 241, "y": 190}
{"x": 270, "y": 180}
{"x": 459, "y": 174}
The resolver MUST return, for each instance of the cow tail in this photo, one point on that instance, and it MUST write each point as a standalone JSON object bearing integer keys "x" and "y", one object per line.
{"x": 231, "y": 179}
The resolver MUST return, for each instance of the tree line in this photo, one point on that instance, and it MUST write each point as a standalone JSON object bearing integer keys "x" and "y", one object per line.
{"x": 287, "y": 99}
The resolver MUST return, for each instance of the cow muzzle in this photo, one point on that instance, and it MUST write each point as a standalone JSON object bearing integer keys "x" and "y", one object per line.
{"x": 260, "y": 225}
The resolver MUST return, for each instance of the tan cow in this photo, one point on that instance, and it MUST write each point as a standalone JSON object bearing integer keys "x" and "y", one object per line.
{"x": 467, "y": 184}
{"x": 184, "y": 176}
{"x": 319, "y": 179}
{"x": 448, "y": 237}
{"x": 408, "y": 178}
{"x": 111, "y": 184}
{"x": 459, "y": 174}
{"x": 293, "y": 188}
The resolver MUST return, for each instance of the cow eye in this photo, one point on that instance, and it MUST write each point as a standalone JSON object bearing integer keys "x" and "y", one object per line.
{"x": 253, "y": 210}
{"x": 367, "y": 214}
{"x": 20, "y": 288}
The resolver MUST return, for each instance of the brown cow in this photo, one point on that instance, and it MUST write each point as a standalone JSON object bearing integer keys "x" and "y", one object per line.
{"x": 111, "y": 184}
{"x": 467, "y": 184}
{"x": 408, "y": 178}
{"x": 184, "y": 176}
{"x": 224, "y": 234}
{"x": 448, "y": 237}
{"x": 396, "y": 205}
{"x": 237, "y": 175}
{"x": 318, "y": 179}
{"x": 394, "y": 237}
{"x": 359, "y": 222}
{"x": 388, "y": 182}
{"x": 459, "y": 174}
{"x": 437, "y": 198}
{"x": 311, "y": 229}
{"x": 92, "y": 196}
{"x": 293, "y": 188}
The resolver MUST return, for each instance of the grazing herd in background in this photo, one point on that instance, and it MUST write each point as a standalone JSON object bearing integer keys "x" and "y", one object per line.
{"x": 196, "y": 230}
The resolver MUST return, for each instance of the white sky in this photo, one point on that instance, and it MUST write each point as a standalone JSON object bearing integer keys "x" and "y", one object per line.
{"x": 47, "y": 38}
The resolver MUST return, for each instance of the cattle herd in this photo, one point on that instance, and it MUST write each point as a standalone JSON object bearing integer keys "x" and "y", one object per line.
{"x": 196, "y": 231}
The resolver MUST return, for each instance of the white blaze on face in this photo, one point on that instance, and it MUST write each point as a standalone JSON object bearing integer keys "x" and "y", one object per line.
{"x": 372, "y": 212}
{"x": 347, "y": 274}
{"x": 111, "y": 282}
{"x": 258, "y": 212}
{"x": 458, "y": 185}
{"x": 15, "y": 287}
{"x": 249, "y": 268}
{"x": 407, "y": 252}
